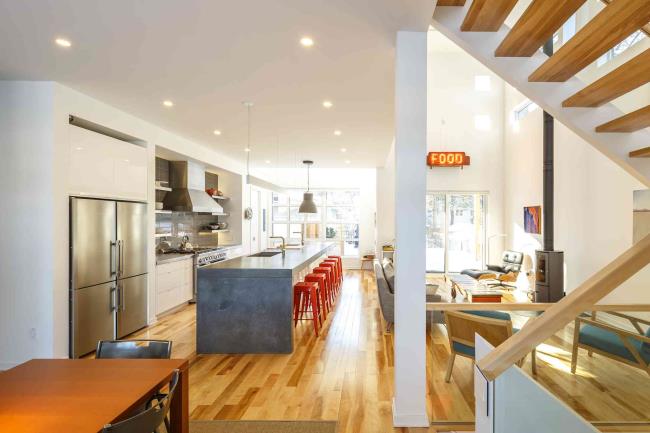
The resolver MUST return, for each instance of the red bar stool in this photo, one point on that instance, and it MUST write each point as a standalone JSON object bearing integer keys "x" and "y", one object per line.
{"x": 339, "y": 273}
{"x": 339, "y": 259}
{"x": 334, "y": 280}
{"x": 329, "y": 286}
{"x": 321, "y": 279}
{"x": 305, "y": 299}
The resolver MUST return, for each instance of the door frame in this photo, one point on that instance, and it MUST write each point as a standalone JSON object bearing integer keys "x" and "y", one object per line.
{"x": 447, "y": 194}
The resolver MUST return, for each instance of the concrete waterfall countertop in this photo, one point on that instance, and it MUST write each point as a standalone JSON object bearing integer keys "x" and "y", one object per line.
{"x": 294, "y": 260}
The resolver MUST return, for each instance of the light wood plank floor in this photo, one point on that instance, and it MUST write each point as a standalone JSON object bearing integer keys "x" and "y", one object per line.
{"x": 346, "y": 373}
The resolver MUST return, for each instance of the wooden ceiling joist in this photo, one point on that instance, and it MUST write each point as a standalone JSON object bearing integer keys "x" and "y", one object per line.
{"x": 631, "y": 122}
{"x": 641, "y": 153}
{"x": 451, "y": 3}
{"x": 613, "y": 24}
{"x": 627, "y": 77}
{"x": 487, "y": 15}
{"x": 536, "y": 26}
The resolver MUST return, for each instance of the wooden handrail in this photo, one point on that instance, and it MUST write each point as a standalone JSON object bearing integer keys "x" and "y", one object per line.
{"x": 581, "y": 299}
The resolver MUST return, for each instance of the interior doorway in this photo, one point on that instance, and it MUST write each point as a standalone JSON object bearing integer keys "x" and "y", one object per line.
{"x": 456, "y": 233}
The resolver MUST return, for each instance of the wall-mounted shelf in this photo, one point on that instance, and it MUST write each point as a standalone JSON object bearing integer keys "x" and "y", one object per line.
{"x": 220, "y": 197}
{"x": 163, "y": 188}
{"x": 209, "y": 232}
{"x": 161, "y": 211}
{"x": 162, "y": 235}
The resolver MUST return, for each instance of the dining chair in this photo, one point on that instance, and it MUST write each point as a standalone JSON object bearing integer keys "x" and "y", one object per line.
{"x": 134, "y": 349}
{"x": 462, "y": 326}
{"x": 597, "y": 336}
{"x": 149, "y": 420}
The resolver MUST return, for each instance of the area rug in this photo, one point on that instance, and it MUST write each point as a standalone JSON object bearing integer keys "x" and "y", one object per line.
{"x": 219, "y": 426}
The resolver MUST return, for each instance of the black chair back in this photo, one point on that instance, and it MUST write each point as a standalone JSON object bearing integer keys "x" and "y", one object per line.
{"x": 150, "y": 419}
{"x": 134, "y": 349}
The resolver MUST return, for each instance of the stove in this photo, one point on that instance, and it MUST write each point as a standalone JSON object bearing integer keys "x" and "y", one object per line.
{"x": 209, "y": 255}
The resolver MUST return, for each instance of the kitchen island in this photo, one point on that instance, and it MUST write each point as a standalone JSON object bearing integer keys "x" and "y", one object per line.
{"x": 245, "y": 305}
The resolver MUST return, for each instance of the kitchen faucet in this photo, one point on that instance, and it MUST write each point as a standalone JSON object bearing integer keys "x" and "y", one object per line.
{"x": 284, "y": 247}
{"x": 302, "y": 237}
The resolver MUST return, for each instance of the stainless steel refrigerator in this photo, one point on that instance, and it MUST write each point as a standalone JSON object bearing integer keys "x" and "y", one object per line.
{"x": 108, "y": 271}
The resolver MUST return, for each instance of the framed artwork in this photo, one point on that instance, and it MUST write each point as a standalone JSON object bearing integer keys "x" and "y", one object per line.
{"x": 533, "y": 219}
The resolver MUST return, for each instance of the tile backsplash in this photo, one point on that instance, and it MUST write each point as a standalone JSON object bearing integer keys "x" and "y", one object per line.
{"x": 189, "y": 224}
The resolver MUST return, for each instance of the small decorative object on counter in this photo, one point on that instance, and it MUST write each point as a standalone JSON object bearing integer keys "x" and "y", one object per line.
{"x": 211, "y": 191}
{"x": 248, "y": 213}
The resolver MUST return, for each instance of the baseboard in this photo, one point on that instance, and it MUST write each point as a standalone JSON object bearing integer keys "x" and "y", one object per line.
{"x": 410, "y": 419}
{"x": 7, "y": 365}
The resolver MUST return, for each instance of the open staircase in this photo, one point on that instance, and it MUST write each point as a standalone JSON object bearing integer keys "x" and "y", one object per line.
{"x": 514, "y": 54}
{"x": 551, "y": 82}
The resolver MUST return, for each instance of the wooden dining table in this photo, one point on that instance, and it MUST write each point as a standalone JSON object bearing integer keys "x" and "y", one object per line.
{"x": 83, "y": 395}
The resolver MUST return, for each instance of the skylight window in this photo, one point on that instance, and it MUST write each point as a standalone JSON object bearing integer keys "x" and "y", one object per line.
{"x": 621, "y": 47}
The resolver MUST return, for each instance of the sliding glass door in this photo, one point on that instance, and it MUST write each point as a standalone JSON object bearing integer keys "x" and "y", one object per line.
{"x": 455, "y": 231}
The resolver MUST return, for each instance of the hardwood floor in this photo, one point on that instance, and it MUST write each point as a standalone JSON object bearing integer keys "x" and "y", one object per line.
{"x": 346, "y": 373}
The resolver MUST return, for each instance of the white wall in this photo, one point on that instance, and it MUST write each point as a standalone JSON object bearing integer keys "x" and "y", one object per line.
{"x": 26, "y": 194}
{"x": 454, "y": 101}
{"x": 593, "y": 197}
{"x": 385, "y": 197}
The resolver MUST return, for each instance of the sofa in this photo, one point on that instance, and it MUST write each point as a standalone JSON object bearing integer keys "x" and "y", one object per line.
{"x": 385, "y": 276}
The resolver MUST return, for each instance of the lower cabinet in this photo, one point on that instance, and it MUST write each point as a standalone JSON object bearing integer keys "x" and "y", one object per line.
{"x": 174, "y": 284}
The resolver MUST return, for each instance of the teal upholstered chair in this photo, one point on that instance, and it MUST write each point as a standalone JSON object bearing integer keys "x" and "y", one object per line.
{"x": 632, "y": 348}
{"x": 494, "y": 326}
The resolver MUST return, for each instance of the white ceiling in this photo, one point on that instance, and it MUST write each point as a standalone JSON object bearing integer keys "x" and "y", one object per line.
{"x": 208, "y": 56}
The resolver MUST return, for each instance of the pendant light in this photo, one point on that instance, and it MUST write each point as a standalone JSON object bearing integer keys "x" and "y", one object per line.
{"x": 308, "y": 205}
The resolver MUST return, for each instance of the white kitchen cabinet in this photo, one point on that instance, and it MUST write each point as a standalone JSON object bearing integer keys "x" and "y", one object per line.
{"x": 174, "y": 284}
{"x": 101, "y": 166}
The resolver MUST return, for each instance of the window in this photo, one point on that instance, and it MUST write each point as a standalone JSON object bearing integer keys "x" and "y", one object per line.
{"x": 337, "y": 219}
{"x": 620, "y": 48}
{"x": 523, "y": 109}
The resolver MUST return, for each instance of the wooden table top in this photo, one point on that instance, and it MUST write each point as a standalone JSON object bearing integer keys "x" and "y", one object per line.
{"x": 77, "y": 395}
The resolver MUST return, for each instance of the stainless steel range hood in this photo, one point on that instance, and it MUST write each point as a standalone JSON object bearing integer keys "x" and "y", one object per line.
{"x": 188, "y": 189}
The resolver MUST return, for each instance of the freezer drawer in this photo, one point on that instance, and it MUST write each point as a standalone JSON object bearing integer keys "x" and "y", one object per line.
{"x": 93, "y": 317}
{"x": 93, "y": 241}
{"x": 132, "y": 238}
{"x": 132, "y": 305}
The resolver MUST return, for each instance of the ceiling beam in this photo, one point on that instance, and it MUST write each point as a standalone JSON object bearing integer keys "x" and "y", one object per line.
{"x": 627, "y": 77}
{"x": 613, "y": 24}
{"x": 451, "y": 3}
{"x": 631, "y": 122}
{"x": 487, "y": 15}
{"x": 645, "y": 29}
{"x": 641, "y": 153}
{"x": 536, "y": 26}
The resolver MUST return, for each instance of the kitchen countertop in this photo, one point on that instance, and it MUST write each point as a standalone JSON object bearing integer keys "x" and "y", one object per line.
{"x": 174, "y": 257}
{"x": 294, "y": 260}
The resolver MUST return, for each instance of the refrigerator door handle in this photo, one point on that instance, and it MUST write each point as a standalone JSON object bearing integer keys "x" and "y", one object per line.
{"x": 111, "y": 297}
{"x": 113, "y": 262}
{"x": 123, "y": 297}
{"x": 119, "y": 296}
{"x": 119, "y": 259}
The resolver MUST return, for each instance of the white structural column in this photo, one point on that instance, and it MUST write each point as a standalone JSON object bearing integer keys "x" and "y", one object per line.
{"x": 409, "y": 407}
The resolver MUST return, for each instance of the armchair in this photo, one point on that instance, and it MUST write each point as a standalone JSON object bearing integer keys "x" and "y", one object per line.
{"x": 507, "y": 272}
{"x": 632, "y": 348}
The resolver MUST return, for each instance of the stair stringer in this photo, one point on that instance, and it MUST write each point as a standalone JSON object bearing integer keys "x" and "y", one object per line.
{"x": 549, "y": 96}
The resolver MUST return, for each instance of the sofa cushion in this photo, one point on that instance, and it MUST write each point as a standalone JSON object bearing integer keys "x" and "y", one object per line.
{"x": 476, "y": 274}
{"x": 610, "y": 342}
{"x": 389, "y": 274}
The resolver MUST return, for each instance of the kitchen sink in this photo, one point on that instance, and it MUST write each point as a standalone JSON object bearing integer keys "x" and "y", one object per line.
{"x": 266, "y": 254}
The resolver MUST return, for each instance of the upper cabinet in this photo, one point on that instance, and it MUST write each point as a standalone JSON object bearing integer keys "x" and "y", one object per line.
{"x": 101, "y": 166}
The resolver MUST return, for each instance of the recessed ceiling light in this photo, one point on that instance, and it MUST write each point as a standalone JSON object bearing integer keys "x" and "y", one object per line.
{"x": 63, "y": 42}
{"x": 168, "y": 103}
{"x": 267, "y": 161}
{"x": 337, "y": 132}
{"x": 247, "y": 149}
{"x": 343, "y": 149}
{"x": 328, "y": 104}
{"x": 347, "y": 161}
{"x": 306, "y": 41}
{"x": 217, "y": 132}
